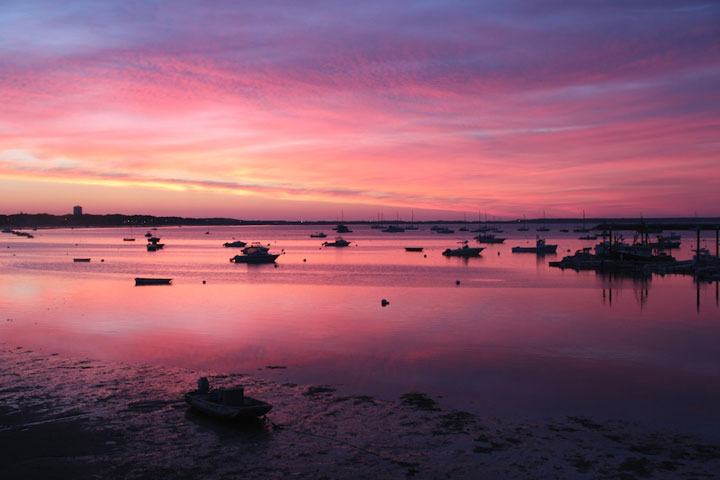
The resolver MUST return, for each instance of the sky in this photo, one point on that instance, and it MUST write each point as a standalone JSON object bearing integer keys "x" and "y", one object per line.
{"x": 326, "y": 109}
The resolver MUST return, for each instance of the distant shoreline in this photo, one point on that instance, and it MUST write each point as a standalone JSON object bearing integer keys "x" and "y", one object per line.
{"x": 43, "y": 220}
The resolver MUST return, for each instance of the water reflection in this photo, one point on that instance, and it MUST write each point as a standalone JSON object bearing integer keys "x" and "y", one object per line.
{"x": 514, "y": 336}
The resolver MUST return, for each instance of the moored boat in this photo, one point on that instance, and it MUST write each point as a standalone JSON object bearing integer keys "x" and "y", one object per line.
{"x": 540, "y": 247}
{"x": 318, "y": 235}
{"x": 152, "y": 281}
{"x": 226, "y": 403}
{"x": 413, "y": 249}
{"x": 488, "y": 238}
{"x": 235, "y": 244}
{"x": 81, "y": 259}
{"x": 464, "y": 251}
{"x": 254, "y": 254}
{"x": 339, "y": 242}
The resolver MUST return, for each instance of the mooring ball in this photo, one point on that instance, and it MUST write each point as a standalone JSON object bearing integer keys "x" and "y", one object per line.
{"x": 457, "y": 282}
{"x": 203, "y": 282}
{"x": 276, "y": 265}
{"x": 304, "y": 259}
{"x": 384, "y": 302}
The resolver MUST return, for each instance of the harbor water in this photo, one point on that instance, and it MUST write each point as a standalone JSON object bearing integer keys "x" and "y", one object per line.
{"x": 502, "y": 334}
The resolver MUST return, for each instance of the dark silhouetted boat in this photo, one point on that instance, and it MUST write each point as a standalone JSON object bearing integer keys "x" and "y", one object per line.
{"x": 393, "y": 229}
{"x": 413, "y": 249}
{"x": 464, "y": 251}
{"x": 488, "y": 238}
{"x": 342, "y": 228}
{"x": 339, "y": 242}
{"x": 318, "y": 235}
{"x": 254, "y": 254}
{"x": 540, "y": 247}
{"x": 128, "y": 239}
{"x": 235, "y": 244}
{"x": 153, "y": 281}
{"x": 226, "y": 403}
{"x": 444, "y": 230}
{"x": 81, "y": 259}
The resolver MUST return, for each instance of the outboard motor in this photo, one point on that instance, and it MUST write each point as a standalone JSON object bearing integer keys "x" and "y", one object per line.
{"x": 203, "y": 385}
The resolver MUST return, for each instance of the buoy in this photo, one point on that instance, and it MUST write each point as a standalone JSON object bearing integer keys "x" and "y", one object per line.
{"x": 203, "y": 282}
{"x": 102, "y": 259}
{"x": 425, "y": 255}
{"x": 498, "y": 253}
{"x": 384, "y": 303}
{"x": 304, "y": 259}
{"x": 457, "y": 282}
{"x": 276, "y": 265}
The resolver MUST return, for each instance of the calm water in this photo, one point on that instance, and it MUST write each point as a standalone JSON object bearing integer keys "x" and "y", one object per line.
{"x": 515, "y": 337}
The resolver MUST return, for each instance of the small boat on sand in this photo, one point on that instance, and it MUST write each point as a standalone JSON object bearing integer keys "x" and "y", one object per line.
{"x": 227, "y": 403}
{"x": 152, "y": 281}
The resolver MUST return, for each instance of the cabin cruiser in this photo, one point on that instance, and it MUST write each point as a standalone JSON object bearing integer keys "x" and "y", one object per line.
{"x": 235, "y": 244}
{"x": 339, "y": 242}
{"x": 464, "y": 251}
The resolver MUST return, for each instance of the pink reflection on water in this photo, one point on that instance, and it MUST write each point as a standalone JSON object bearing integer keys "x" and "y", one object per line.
{"x": 514, "y": 336}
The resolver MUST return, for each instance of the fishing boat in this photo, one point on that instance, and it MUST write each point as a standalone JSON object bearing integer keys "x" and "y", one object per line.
{"x": 235, "y": 244}
{"x": 540, "y": 247}
{"x": 339, "y": 242}
{"x": 226, "y": 403}
{"x": 152, "y": 281}
{"x": 413, "y": 249}
{"x": 464, "y": 251}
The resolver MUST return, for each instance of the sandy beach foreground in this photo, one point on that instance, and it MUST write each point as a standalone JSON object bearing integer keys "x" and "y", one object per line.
{"x": 69, "y": 418}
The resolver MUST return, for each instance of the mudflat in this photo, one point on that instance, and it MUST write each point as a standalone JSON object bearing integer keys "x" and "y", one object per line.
{"x": 68, "y": 418}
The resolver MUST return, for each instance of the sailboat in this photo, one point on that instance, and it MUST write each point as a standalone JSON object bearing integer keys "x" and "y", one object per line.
{"x": 583, "y": 229}
{"x": 524, "y": 228}
{"x": 130, "y": 238}
{"x": 543, "y": 228}
{"x": 412, "y": 225}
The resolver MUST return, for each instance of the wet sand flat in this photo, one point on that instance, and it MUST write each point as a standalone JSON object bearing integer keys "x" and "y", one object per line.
{"x": 68, "y": 418}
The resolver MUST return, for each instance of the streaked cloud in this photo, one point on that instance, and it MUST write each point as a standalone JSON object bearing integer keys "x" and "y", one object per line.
{"x": 458, "y": 106}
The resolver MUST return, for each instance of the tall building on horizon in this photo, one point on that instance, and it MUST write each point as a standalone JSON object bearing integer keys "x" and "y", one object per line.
{"x": 77, "y": 210}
